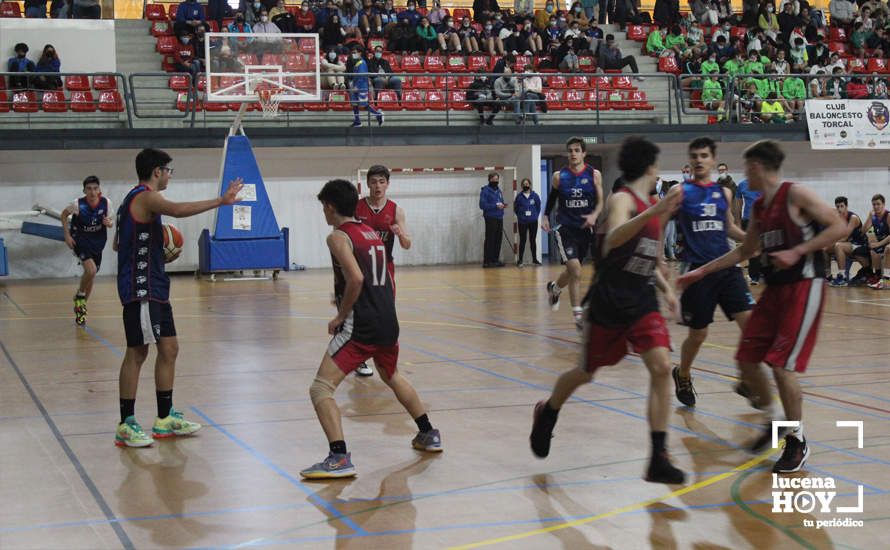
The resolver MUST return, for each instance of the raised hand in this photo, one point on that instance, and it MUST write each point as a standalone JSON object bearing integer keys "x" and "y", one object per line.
{"x": 231, "y": 194}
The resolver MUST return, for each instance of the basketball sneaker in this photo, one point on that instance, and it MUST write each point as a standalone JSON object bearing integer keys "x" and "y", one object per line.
{"x": 174, "y": 424}
{"x": 742, "y": 389}
{"x": 765, "y": 439}
{"x": 80, "y": 309}
{"x": 542, "y": 430}
{"x": 553, "y": 292}
{"x": 334, "y": 466}
{"x": 364, "y": 370}
{"x": 662, "y": 471}
{"x": 793, "y": 457}
{"x": 880, "y": 284}
{"x": 839, "y": 280}
{"x": 429, "y": 441}
{"x": 578, "y": 317}
{"x": 683, "y": 388}
{"x": 130, "y": 434}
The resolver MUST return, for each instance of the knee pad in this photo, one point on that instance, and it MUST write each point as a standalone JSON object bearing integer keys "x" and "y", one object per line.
{"x": 320, "y": 390}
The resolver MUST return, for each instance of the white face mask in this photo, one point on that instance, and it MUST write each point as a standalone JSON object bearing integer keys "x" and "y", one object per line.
{"x": 185, "y": 39}
{"x": 264, "y": 18}
{"x": 332, "y": 56}
{"x": 256, "y": 5}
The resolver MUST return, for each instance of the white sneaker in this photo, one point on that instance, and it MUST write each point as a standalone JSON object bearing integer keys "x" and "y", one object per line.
{"x": 364, "y": 370}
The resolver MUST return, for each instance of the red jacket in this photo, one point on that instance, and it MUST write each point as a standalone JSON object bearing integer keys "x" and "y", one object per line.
{"x": 305, "y": 19}
{"x": 184, "y": 53}
{"x": 857, "y": 90}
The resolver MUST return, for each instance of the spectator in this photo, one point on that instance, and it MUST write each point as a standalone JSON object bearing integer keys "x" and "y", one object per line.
{"x": 626, "y": 11}
{"x": 799, "y": 57}
{"x": 772, "y": 109}
{"x": 383, "y": 77}
{"x": 788, "y": 21}
{"x": 481, "y": 96}
{"x": 817, "y": 86}
{"x": 610, "y": 57}
{"x": 532, "y": 38}
{"x": 189, "y": 15}
{"x": 736, "y": 65}
{"x": 842, "y": 12}
{"x": 35, "y": 9}
{"x": 61, "y": 9}
{"x": 542, "y": 17}
{"x": 225, "y": 62}
{"x": 265, "y": 45}
{"x": 217, "y": 10}
{"x": 818, "y": 53}
{"x": 468, "y": 36}
{"x": 877, "y": 87}
{"x": 569, "y": 62}
{"x": 20, "y": 64}
{"x": 411, "y": 15}
{"x": 305, "y": 19}
{"x": 677, "y": 42}
{"x": 576, "y": 13}
{"x": 508, "y": 93}
{"x": 485, "y": 10}
{"x": 437, "y": 14}
{"x": 712, "y": 96}
{"x": 403, "y": 37}
{"x": 349, "y": 21}
{"x": 426, "y": 35}
{"x": 283, "y": 19}
{"x": 388, "y": 17}
{"x": 749, "y": 105}
{"x": 780, "y": 65}
{"x": 573, "y": 35}
{"x": 48, "y": 63}
{"x": 865, "y": 18}
{"x": 710, "y": 65}
{"x": 323, "y": 14}
{"x": 856, "y": 89}
{"x": 754, "y": 64}
{"x": 240, "y": 27}
{"x": 332, "y": 34}
{"x": 655, "y": 41}
{"x": 533, "y": 94}
{"x": 878, "y": 42}
{"x": 490, "y": 41}
{"x": 448, "y": 36}
{"x": 750, "y": 10}
{"x": 525, "y": 9}
{"x": 185, "y": 57}
{"x": 722, "y": 50}
{"x": 725, "y": 13}
{"x": 665, "y": 13}
{"x": 330, "y": 64}
{"x": 858, "y": 38}
{"x": 768, "y": 22}
{"x": 879, "y": 10}
{"x": 369, "y": 19}
{"x": 491, "y": 202}
{"x": 528, "y": 209}
{"x": 725, "y": 180}
{"x": 359, "y": 87}
{"x": 87, "y": 9}
{"x": 251, "y": 11}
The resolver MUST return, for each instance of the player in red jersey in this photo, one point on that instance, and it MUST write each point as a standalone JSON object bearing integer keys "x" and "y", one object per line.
{"x": 365, "y": 326}
{"x": 791, "y": 225}
{"x": 622, "y": 308}
{"x": 387, "y": 219}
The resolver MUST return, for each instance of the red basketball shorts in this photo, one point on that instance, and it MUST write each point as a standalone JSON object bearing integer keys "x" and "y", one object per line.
{"x": 352, "y": 354}
{"x": 783, "y": 325}
{"x": 604, "y": 346}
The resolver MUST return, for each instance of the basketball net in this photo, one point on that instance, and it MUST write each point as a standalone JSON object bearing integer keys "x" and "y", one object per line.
{"x": 269, "y": 100}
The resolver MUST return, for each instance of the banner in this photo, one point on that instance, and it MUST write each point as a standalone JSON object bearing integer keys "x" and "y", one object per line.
{"x": 848, "y": 123}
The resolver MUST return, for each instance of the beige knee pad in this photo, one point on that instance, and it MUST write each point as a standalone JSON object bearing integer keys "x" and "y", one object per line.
{"x": 320, "y": 390}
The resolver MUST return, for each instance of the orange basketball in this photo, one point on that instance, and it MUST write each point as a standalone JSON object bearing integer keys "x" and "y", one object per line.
{"x": 173, "y": 241}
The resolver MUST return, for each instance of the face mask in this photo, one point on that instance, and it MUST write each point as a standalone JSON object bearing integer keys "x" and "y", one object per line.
{"x": 497, "y": 18}
{"x": 769, "y": 9}
{"x": 356, "y": 56}
{"x": 553, "y": 23}
{"x": 515, "y": 33}
{"x": 723, "y": 175}
{"x": 577, "y": 10}
{"x": 304, "y": 9}
{"x": 264, "y": 18}
{"x": 185, "y": 39}
{"x": 466, "y": 24}
{"x": 526, "y": 188}
{"x": 410, "y": 8}
{"x": 549, "y": 9}
{"x": 378, "y": 55}
{"x": 493, "y": 183}
{"x": 727, "y": 27}
{"x": 332, "y": 56}
{"x": 488, "y": 27}
{"x": 256, "y": 5}
{"x": 713, "y": 59}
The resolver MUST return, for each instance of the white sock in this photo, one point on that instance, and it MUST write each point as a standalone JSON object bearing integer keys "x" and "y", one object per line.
{"x": 886, "y": 272}
{"x": 577, "y": 311}
{"x": 797, "y": 432}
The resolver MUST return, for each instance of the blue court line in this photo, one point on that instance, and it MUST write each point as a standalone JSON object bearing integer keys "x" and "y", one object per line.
{"x": 336, "y": 514}
{"x": 509, "y": 523}
{"x": 115, "y": 350}
{"x": 69, "y": 452}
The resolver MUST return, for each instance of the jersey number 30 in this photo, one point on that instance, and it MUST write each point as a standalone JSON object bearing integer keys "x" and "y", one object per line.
{"x": 378, "y": 278}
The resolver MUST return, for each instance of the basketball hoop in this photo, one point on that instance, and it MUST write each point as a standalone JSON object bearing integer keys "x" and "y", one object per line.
{"x": 269, "y": 100}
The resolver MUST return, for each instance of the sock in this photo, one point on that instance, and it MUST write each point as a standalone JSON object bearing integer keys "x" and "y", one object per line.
{"x": 373, "y": 111}
{"x": 80, "y": 294}
{"x": 797, "y": 432}
{"x": 549, "y": 412}
{"x": 338, "y": 447}
{"x": 165, "y": 403}
{"x": 886, "y": 272}
{"x": 658, "y": 441}
{"x": 423, "y": 423}
{"x": 128, "y": 408}
{"x": 577, "y": 311}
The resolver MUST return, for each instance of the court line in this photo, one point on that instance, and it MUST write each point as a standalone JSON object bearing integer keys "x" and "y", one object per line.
{"x": 737, "y": 498}
{"x": 114, "y": 349}
{"x": 13, "y": 302}
{"x": 69, "y": 452}
{"x": 313, "y": 496}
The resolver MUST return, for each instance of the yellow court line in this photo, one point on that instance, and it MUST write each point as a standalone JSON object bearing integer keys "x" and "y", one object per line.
{"x": 625, "y": 509}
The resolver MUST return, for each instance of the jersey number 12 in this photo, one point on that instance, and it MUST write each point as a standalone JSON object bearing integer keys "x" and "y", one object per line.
{"x": 378, "y": 278}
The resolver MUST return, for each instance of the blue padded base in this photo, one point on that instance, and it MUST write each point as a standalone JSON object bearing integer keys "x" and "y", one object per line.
{"x": 233, "y": 255}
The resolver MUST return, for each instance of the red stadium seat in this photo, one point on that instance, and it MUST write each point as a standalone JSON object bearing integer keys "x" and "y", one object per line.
{"x": 202, "y": 82}
{"x": 434, "y": 64}
{"x": 160, "y": 28}
{"x": 587, "y": 63}
{"x": 601, "y": 83}
{"x": 476, "y": 63}
{"x": 856, "y": 65}
{"x": 637, "y": 33}
{"x": 4, "y": 102}
{"x": 521, "y": 62}
{"x": 737, "y": 33}
{"x": 83, "y": 102}
{"x": 446, "y": 82}
{"x": 421, "y": 82}
{"x": 296, "y": 63}
{"x": 375, "y": 41}
{"x": 668, "y": 65}
{"x": 598, "y": 100}
{"x": 316, "y": 105}
{"x": 25, "y": 102}
{"x": 839, "y": 47}
{"x": 457, "y": 64}
{"x": 155, "y": 12}
{"x": 877, "y": 65}
{"x": 621, "y": 83}
{"x": 557, "y": 82}
{"x": 460, "y": 13}
{"x": 435, "y": 100}
{"x": 639, "y": 102}
{"x": 457, "y": 100}
{"x": 10, "y": 9}
{"x": 412, "y": 64}
{"x": 104, "y": 82}
{"x": 339, "y": 101}
{"x": 54, "y": 101}
{"x": 2, "y": 82}
{"x": 110, "y": 101}
{"x": 576, "y": 100}
{"x": 412, "y": 100}
{"x": 285, "y": 106}
{"x": 578, "y": 82}
{"x": 623, "y": 102}
{"x": 77, "y": 82}
{"x": 171, "y": 11}
{"x": 837, "y": 34}
{"x": 305, "y": 45}
{"x": 554, "y": 100}
{"x": 388, "y": 100}
{"x": 179, "y": 82}
{"x": 463, "y": 82}
{"x": 393, "y": 61}
{"x": 215, "y": 106}
{"x": 182, "y": 101}
{"x": 166, "y": 45}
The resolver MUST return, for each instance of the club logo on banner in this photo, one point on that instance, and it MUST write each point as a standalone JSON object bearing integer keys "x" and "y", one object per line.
{"x": 848, "y": 123}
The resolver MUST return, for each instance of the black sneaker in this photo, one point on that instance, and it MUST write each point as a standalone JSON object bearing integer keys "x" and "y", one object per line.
{"x": 765, "y": 439}
{"x": 742, "y": 389}
{"x": 794, "y": 457}
{"x": 662, "y": 471}
{"x": 542, "y": 431}
{"x": 683, "y": 388}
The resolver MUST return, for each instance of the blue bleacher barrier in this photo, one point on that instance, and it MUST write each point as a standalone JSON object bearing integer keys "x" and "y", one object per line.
{"x": 246, "y": 234}
{"x": 4, "y": 265}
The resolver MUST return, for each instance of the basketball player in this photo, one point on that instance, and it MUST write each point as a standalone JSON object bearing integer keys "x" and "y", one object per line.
{"x": 86, "y": 235}
{"x": 854, "y": 246}
{"x": 704, "y": 222}
{"x": 144, "y": 290}
{"x": 579, "y": 190}
{"x": 877, "y": 243}
{"x": 622, "y": 308}
{"x": 388, "y": 220}
{"x": 365, "y": 326}
{"x": 359, "y": 84}
{"x": 791, "y": 225}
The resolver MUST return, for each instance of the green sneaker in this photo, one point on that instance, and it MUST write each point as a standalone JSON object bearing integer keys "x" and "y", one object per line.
{"x": 80, "y": 309}
{"x": 174, "y": 424}
{"x": 130, "y": 434}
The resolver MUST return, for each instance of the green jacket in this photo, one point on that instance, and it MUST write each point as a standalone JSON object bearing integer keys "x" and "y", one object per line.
{"x": 708, "y": 67}
{"x": 654, "y": 43}
{"x": 733, "y": 67}
{"x": 794, "y": 88}
{"x": 711, "y": 91}
{"x": 430, "y": 33}
{"x": 754, "y": 67}
{"x": 670, "y": 41}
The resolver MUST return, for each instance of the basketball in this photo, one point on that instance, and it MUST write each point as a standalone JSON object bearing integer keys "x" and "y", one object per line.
{"x": 172, "y": 241}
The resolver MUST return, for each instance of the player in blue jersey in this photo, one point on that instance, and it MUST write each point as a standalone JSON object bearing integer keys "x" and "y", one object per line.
{"x": 359, "y": 85}
{"x": 854, "y": 246}
{"x": 578, "y": 188}
{"x": 705, "y": 223}
{"x": 85, "y": 234}
{"x": 879, "y": 224}
{"x": 144, "y": 290}
{"x": 746, "y": 197}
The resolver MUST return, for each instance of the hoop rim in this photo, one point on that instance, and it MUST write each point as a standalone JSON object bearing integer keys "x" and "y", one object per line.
{"x": 269, "y": 99}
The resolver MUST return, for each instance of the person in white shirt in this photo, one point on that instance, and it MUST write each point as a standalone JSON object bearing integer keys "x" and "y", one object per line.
{"x": 532, "y": 94}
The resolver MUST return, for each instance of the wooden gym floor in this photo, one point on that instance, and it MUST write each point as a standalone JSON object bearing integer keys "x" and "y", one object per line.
{"x": 482, "y": 347}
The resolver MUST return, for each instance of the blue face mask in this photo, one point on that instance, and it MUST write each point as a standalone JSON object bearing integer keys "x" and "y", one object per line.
{"x": 378, "y": 55}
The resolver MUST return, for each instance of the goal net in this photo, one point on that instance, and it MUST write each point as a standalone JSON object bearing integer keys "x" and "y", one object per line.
{"x": 442, "y": 210}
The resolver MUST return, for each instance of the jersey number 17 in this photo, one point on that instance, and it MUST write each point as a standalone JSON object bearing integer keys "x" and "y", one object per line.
{"x": 378, "y": 278}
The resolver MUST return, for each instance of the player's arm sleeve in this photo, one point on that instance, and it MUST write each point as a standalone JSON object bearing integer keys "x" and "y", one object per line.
{"x": 110, "y": 213}
{"x": 551, "y": 201}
